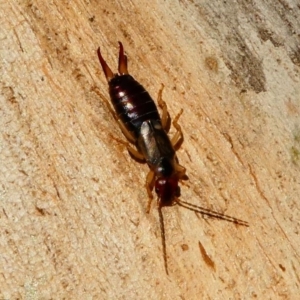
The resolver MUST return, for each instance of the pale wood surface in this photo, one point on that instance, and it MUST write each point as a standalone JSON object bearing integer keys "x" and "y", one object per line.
{"x": 72, "y": 217}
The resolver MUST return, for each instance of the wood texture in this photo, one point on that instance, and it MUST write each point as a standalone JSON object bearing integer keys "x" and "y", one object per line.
{"x": 72, "y": 217}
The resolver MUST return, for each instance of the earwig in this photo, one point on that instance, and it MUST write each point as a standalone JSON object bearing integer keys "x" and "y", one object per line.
{"x": 139, "y": 120}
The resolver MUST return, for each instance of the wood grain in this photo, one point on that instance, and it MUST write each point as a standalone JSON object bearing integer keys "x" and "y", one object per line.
{"x": 72, "y": 217}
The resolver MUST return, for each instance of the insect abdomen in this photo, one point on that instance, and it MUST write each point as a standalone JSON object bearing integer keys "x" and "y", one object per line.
{"x": 132, "y": 102}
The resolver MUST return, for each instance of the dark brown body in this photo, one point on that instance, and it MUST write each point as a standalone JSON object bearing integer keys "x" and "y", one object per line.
{"x": 132, "y": 103}
{"x": 141, "y": 123}
{"x": 139, "y": 120}
{"x": 138, "y": 113}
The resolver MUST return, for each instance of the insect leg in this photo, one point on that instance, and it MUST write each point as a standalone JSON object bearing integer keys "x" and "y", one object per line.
{"x": 178, "y": 136}
{"x": 125, "y": 132}
{"x": 135, "y": 153}
{"x": 180, "y": 171}
{"x": 165, "y": 118}
{"x": 149, "y": 186}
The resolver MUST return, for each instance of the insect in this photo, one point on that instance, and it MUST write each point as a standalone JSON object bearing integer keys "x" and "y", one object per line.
{"x": 139, "y": 120}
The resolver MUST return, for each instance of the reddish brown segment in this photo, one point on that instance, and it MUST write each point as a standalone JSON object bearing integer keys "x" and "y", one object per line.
{"x": 106, "y": 69}
{"x": 122, "y": 68}
{"x": 122, "y": 61}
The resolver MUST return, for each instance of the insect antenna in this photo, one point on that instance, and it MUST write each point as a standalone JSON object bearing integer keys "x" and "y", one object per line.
{"x": 210, "y": 213}
{"x": 163, "y": 237}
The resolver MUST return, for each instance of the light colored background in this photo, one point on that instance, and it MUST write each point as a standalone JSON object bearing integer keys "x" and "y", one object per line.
{"x": 72, "y": 216}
